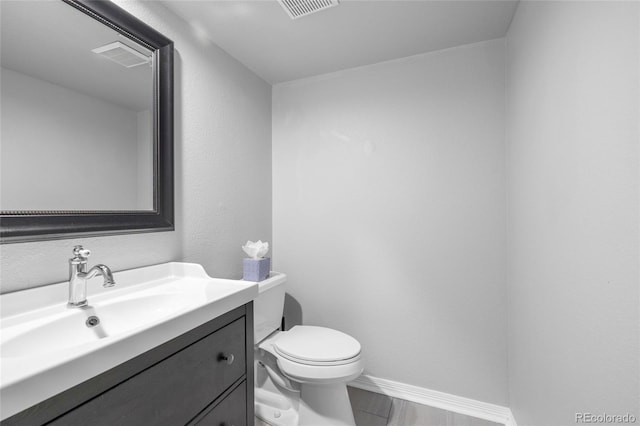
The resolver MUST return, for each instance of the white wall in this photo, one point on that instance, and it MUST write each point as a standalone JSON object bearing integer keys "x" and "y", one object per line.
{"x": 573, "y": 116}
{"x": 223, "y": 171}
{"x": 388, "y": 196}
{"x": 54, "y": 138}
{"x": 144, "y": 167}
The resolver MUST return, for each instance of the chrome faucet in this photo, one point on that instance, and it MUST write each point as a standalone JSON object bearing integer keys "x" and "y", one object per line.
{"x": 78, "y": 277}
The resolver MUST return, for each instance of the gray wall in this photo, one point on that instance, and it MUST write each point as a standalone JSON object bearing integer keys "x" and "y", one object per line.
{"x": 223, "y": 171}
{"x": 389, "y": 214}
{"x": 573, "y": 116}
{"x": 44, "y": 150}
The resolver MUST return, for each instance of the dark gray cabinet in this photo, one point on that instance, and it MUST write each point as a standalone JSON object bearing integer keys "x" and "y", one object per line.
{"x": 203, "y": 377}
{"x": 228, "y": 412}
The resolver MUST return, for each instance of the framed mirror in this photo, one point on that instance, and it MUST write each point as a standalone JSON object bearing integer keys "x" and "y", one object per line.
{"x": 86, "y": 143}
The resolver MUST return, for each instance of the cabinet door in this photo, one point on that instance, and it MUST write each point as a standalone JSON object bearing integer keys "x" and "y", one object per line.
{"x": 173, "y": 391}
{"x": 231, "y": 411}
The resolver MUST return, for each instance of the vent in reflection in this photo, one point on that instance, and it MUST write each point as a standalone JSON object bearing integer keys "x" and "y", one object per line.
{"x": 122, "y": 54}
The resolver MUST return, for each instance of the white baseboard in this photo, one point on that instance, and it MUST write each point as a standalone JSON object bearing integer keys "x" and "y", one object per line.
{"x": 445, "y": 401}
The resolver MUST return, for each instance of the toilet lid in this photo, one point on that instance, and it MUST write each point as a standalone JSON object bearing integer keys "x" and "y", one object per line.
{"x": 316, "y": 344}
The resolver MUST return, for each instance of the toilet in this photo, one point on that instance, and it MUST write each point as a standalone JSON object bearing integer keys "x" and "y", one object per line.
{"x": 301, "y": 374}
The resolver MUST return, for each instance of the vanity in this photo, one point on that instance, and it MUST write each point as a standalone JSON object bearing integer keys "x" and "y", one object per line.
{"x": 172, "y": 346}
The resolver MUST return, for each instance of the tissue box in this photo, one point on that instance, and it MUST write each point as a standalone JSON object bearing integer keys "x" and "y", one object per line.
{"x": 256, "y": 269}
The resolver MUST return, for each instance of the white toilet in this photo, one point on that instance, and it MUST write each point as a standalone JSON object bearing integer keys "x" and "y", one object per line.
{"x": 301, "y": 375}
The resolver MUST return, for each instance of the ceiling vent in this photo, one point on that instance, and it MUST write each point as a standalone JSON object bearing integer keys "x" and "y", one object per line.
{"x": 122, "y": 54}
{"x": 299, "y": 8}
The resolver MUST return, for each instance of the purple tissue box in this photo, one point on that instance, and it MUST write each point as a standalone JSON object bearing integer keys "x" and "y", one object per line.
{"x": 256, "y": 269}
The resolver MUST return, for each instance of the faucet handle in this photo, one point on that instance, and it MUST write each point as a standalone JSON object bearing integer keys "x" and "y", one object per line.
{"x": 81, "y": 252}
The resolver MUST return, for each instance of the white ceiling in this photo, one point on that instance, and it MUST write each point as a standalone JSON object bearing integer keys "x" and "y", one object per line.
{"x": 358, "y": 32}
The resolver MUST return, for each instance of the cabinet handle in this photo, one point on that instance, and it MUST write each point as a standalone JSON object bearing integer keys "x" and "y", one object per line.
{"x": 227, "y": 358}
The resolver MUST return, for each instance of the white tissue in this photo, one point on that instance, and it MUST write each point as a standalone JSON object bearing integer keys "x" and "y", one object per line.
{"x": 256, "y": 250}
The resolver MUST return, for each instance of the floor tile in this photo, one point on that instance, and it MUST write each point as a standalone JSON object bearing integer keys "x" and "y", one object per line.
{"x": 370, "y": 402}
{"x": 462, "y": 420}
{"x": 405, "y": 413}
{"x": 367, "y": 419}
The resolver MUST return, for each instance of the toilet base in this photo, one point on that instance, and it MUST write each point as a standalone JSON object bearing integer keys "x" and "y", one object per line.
{"x": 275, "y": 409}
{"x": 325, "y": 405}
{"x": 310, "y": 404}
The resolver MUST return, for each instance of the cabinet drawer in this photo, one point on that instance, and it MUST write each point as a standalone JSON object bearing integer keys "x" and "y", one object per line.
{"x": 173, "y": 391}
{"x": 231, "y": 411}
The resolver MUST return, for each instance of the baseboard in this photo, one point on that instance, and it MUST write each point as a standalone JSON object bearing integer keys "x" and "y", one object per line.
{"x": 445, "y": 401}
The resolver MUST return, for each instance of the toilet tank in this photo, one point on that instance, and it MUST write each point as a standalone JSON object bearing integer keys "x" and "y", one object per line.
{"x": 268, "y": 306}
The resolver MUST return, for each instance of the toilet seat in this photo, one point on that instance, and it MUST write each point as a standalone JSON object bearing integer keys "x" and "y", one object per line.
{"x": 319, "y": 346}
{"x": 309, "y": 354}
{"x": 321, "y": 374}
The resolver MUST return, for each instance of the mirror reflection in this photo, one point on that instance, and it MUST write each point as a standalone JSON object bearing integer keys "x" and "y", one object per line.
{"x": 76, "y": 110}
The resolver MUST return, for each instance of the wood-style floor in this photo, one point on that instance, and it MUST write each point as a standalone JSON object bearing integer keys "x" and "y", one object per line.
{"x": 374, "y": 409}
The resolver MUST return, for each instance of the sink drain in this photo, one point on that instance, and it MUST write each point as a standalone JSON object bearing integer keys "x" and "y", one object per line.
{"x": 92, "y": 321}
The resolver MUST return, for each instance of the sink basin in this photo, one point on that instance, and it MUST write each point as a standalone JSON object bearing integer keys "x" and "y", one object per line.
{"x": 67, "y": 329}
{"x": 46, "y": 347}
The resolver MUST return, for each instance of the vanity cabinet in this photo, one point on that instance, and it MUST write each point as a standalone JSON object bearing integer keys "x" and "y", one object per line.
{"x": 202, "y": 377}
{"x": 228, "y": 412}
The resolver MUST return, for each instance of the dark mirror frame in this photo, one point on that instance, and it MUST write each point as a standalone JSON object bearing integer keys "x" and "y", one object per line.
{"x": 25, "y": 226}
